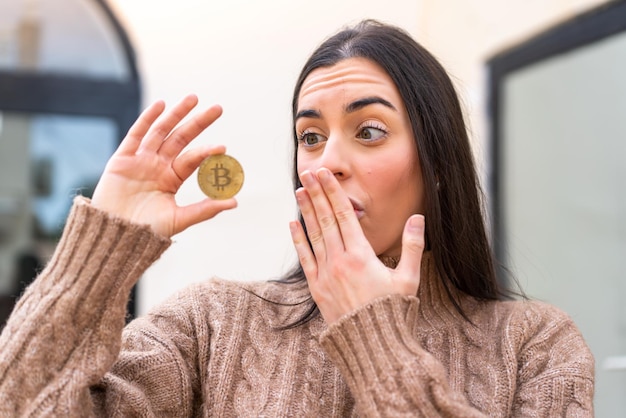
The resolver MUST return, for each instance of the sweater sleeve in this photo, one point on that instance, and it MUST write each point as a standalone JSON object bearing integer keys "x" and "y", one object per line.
{"x": 390, "y": 374}
{"x": 65, "y": 332}
{"x": 156, "y": 372}
{"x": 386, "y": 369}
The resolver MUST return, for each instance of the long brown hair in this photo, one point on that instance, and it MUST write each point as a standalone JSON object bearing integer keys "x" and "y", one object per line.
{"x": 455, "y": 227}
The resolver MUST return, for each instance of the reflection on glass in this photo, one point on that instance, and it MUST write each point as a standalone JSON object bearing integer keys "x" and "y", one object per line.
{"x": 45, "y": 160}
{"x": 61, "y": 37}
{"x": 68, "y": 155}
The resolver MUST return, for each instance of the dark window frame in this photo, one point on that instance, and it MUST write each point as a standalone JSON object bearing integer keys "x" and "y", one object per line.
{"x": 33, "y": 92}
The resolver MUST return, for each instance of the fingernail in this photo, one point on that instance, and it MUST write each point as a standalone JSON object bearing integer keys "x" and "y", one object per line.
{"x": 323, "y": 173}
{"x": 306, "y": 177}
{"x": 299, "y": 194}
{"x": 416, "y": 223}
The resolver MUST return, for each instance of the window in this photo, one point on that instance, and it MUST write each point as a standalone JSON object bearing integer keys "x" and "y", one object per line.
{"x": 559, "y": 180}
{"x": 69, "y": 90}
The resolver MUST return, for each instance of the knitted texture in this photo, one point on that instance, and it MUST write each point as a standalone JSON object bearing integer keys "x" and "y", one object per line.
{"x": 216, "y": 348}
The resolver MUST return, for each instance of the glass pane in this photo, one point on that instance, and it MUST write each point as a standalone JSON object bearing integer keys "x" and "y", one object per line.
{"x": 63, "y": 36}
{"x": 45, "y": 160}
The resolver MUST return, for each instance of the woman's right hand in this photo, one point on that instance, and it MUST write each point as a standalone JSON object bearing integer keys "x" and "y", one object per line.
{"x": 142, "y": 177}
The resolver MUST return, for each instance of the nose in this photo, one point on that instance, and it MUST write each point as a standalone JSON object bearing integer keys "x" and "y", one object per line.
{"x": 336, "y": 157}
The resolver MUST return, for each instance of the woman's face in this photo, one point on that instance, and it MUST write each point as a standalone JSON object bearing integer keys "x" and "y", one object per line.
{"x": 352, "y": 120}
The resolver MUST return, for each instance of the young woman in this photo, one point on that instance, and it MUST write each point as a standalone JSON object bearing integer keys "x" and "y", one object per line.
{"x": 393, "y": 309}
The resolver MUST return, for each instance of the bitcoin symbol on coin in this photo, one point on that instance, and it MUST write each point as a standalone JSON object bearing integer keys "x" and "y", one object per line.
{"x": 220, "y": 176}
{"x": 220, "y": 173}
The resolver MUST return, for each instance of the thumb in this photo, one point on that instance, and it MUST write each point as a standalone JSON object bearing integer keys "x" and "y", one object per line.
{"x": 201, "y": 211}
{"x": 412, "y": 247}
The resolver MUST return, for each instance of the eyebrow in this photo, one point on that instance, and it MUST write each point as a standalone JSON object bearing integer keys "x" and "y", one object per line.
{"x": 361, "y": 103}
{"x": 308, "y": 113}
{"x": 350, "y": 108}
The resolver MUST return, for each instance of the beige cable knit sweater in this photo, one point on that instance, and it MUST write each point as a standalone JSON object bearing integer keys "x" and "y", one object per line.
{"x": 213, "y": 349}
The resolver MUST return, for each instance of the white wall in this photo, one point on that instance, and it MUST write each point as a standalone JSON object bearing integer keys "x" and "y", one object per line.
{"x": 246, "y": 55}
{"x": 465, "y": 34}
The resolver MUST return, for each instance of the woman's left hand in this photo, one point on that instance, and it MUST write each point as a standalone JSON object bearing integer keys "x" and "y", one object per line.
{"x": 342, "y": 270}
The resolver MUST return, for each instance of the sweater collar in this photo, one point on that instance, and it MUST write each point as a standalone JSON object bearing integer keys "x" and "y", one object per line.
{"x": 437, "y": 299}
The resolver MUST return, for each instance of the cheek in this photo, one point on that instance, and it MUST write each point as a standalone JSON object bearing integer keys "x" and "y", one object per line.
{"x": 384, "y": 190}
{"x": 302, "y": 163}
{"x": 398, "y": 187}
{"x": 412, "y": 190}
{"x": 391, "y": 177}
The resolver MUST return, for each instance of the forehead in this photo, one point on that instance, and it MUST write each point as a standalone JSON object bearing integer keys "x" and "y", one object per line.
{"x": 350, "y": 77}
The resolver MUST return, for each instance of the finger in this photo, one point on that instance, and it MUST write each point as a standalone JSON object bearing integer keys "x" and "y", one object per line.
{"x": 189, "y": 161}
{"x": 187, "y": 216}
{"x": 184, "y": 134}
{"x": 325, "y": 217}
{"x": 138, "y": 130}
{"x": 343, "y": 211}
{"x": 305, "y": 255}
{"x": 310, "y": 220}
{"x": 168, "y": 121}
{"x": 412, "y": 247}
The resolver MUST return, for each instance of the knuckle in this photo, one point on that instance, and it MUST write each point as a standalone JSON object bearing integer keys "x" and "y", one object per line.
{"x": 308, "y": 265}
{"x": 197, "y": 125}
{"x": 177, "y": 140}
{"x": 338, "y": 272}
{"x": 345, "y": 267}
{"x": 327, "y": 222}
{"x": 416, "y": 242}
{"x": 344, "y": 216}
{"x": 161, "y": 131}
{"x": 315, "y": 237}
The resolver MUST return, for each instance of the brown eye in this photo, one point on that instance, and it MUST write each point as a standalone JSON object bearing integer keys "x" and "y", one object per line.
{"x": 371, "y": 134}
{"x": 310, "y": 139}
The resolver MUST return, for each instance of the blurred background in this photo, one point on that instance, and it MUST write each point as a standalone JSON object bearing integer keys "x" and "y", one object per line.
{"x": 542, "y": 83}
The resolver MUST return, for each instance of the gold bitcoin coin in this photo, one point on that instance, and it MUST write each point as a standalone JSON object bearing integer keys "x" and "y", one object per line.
{"x": 220, "y": 176}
